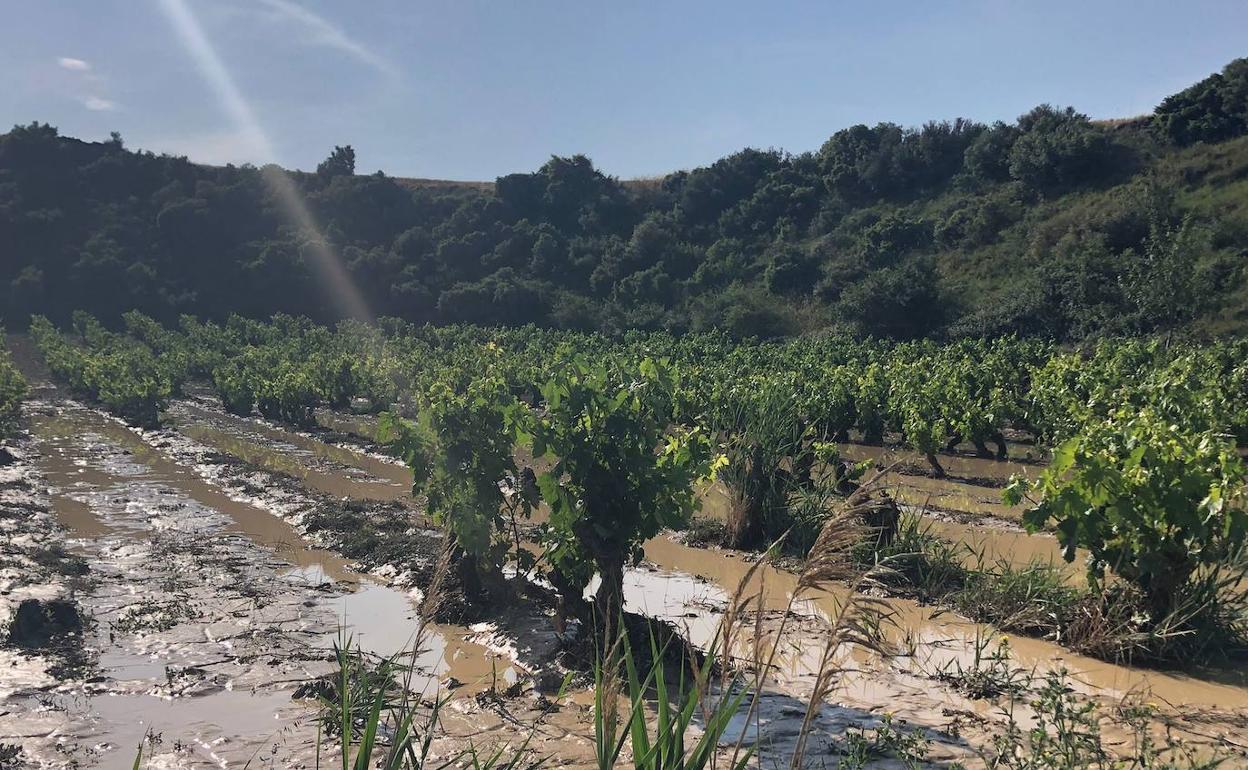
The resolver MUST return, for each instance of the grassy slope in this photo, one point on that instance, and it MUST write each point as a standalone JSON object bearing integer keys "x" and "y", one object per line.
{"x": 1210, "y": 182}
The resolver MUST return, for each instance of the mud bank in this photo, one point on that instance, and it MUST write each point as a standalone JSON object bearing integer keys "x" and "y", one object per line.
{"x": 195, "y": 637}
{"x": 206, "y": 614}
{"x": 690, "y": 588}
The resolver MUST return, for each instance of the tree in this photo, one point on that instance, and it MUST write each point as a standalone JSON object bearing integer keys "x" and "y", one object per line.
{"x": 1058, "y": 148}
{"x": 987, "y": 159}
{"x": 790, "y": 271}
{"x": 1165, "y": 282}
{"x": 1212, "y": 110}
{"x": 623, "y": 470}
{"x": 902, "y": 301}
{"x": 341, "y": 162}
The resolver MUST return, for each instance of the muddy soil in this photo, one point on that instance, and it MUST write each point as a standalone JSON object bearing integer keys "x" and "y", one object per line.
{"x": 205, "y": 612}
{"x": 194, "y": 632}
{"x": 219, "y": 567}
{"x": 690, "y": 587}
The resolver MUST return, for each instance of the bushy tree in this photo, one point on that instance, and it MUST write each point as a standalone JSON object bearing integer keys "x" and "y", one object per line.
{"x": 341, "y": 162}
{"x": 1212, "y": 110}
{"x": 623, "y": 469}
{"x": 986, "y": 160}
{"x": 1058, "y": 148}
{"x": 902, "y": 301}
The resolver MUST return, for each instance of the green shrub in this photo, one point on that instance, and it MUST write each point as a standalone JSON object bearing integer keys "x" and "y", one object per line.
{"x": 235, "y": 388}
{"x": 622, "y": 470}
{"x": 288, "y": 393}
{"x": 1150, "y": 500}
{"x": 121, "y": 374}
{"x": 12, "y": 391}
{"x": 460, "y": 450}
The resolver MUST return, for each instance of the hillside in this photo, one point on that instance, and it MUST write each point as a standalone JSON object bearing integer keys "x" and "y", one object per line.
{"x": 1050, "y": 225}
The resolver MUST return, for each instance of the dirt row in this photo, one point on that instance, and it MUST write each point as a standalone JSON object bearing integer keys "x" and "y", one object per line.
{"x": 217, "y": 573}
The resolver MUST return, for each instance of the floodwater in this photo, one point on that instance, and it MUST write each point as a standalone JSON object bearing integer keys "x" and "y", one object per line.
{"x": 972, "y": 488}
{"x": 120, "y": 497}
{"x": 691, "y": 586}
{"x": 125, "y": 495}
{"x": 325, "y": 467}
{"x": 941, "y": 637}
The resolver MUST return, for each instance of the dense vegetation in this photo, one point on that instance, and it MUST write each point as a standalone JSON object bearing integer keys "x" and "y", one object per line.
{"x": 12, "y": 391}
{"x": 1146, "y": 476}
{"x": 1052, "y": 225}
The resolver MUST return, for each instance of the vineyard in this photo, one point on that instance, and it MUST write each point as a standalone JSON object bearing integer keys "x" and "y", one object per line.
{"x": 352, "y": 415}
{"x": 1145, "y": 472}
{"x": 559, "y": 459}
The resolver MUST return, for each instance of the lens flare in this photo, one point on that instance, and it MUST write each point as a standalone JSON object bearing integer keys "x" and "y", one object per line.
{"x": 341, "y": 291}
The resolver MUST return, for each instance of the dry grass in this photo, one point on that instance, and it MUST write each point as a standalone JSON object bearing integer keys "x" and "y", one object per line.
{"x": 859, "y": 620}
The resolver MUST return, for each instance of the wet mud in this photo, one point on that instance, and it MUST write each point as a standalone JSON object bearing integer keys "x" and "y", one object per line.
{"x": 210, "y": 596}
{"x": 206, "y": 612}
{"x": 690, "y": 588}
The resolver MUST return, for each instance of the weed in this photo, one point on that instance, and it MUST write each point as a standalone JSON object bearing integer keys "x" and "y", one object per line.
{"x": 860, "y": 746}
{"x": 1033, "y": 599}
{"x": 152, "y": 615}
{"x": 920, "y": 560}
{"x": 1064, "y": 733}
{"x": 990, "y": 673}
{"x": 704, "y": 532}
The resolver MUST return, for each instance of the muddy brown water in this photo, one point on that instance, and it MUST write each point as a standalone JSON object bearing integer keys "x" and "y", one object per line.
{"x": 325, "y": 467}
{"x": 363, "y": 425}
{"x": 690, "y": 586}
{"x": 973, "y": 487}
{"x": 105, "y": 480}
{"x": 1022, "y": 461}
{"x": 942, "y": 638}
{"x": 380, "y": 619}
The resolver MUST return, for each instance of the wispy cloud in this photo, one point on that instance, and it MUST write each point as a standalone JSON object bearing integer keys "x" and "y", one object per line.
{"x": 99, "y": 104}
{"x": 85, "y": 85}
{"x": 73, "y": 65}
{"x": 317, "y": 30}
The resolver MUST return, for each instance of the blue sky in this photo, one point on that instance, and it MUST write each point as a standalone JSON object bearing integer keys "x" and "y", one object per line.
{"x": 472, "y": 90}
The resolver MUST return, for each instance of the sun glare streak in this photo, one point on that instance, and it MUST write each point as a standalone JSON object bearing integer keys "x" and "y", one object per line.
{"x": 342, "y": 292}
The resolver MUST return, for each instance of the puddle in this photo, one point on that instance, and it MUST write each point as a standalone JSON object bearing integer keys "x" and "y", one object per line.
{"x": 326, "y": 467}
{"x": 942, "y": 638}
{"x": 227, "y": 729}
{"x": 995, "y": 544}
{"x": 77, "y": 517}
{"x": 1023, "y": 461}
{"x": 252, "y": 443}
{"x": 123, "y": 499}
{"x": 67, "y": 455}
{"x": 363, "y": 425}
{"x": 383, "y": 621}
{"x": 948, "y": 496}
{"x": 674, "y": 593}
{"x": 990, "y": 546}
